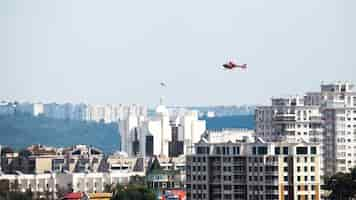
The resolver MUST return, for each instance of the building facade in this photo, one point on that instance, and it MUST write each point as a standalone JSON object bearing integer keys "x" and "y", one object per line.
{"x": 108, "y": 113}
{"x": 166, "y": 133}
{"x": 327, "y": 117}
{"x": 254, "y": 171}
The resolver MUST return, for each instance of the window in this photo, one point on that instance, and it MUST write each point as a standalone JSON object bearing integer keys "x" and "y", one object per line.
{"x": 285, "y": 150}
{"x": 313, "y": 150}
{"x": 286, "y": 178}
{"x": 298, "y": 178}
{"x": 302, "y": 150}
{"x": 254, "y": 150}
{"x": 285, "y": 169}
{"x": 217, "y": 151}
{"x": 262, "y": 150}
{"x": 305, "y": 178}
{"x": 312, "y": 169}
{"x": 312, "y": 159}
{"x": 277, "y": 150}
{"x": 312, "y": 178}
{"x": 298, "y": 169}
{"x": 305, "y": 169}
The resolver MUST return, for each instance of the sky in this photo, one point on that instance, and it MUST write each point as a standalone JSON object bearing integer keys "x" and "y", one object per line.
{"x": 112, "y": 51}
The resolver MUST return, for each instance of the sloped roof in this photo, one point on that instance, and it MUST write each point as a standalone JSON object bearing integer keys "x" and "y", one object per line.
{"x": 73, "y": 196}
{"x": 155, "y": 166}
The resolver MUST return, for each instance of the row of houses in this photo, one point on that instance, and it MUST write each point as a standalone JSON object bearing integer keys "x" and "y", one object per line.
{"x": 54, "y": 172}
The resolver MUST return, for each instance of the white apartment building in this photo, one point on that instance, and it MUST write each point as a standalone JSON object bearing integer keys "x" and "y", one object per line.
{"x": 34, "y": 109}
{"x": 338, "y": 108}
{"x": 253, "y": 171}
{"x": 108, "y": 113}
{"x": 85, "y": 112}
{"x": 167, "y": 134}
{"x": 7, "y": 108}
{"x": 327, "y": 117}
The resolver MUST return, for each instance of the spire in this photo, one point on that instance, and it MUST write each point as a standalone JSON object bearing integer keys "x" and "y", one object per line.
{"x": 161, "y": 99}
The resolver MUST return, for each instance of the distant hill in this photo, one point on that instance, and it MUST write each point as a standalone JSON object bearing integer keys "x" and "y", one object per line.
{"x": 21, "y": 130}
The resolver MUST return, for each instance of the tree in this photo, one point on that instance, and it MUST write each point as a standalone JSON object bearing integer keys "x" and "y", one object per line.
{"x": 137, "y": 180}
{"x": 342, "y": 185}
{"x": 4, "y": 186}
{"x": 24, "y": 153}
{"x": 5, "y": 150}
{"x": 130, "y": 192}
{"x": 14, "y": 194}
{"x": 19, "y": 196}
{"x": 108, "y": 188}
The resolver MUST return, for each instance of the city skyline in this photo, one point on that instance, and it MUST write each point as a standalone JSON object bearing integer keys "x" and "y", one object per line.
{"x": 113, "y": 52}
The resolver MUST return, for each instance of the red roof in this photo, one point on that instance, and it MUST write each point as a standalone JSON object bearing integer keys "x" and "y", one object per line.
{"x": 73, "y": 196}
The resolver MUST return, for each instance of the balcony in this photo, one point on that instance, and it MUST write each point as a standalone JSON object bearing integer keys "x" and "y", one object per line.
{"x": 216, "y": 190}
{"x": 271, "y": 173}
{"x": 273, "y": 192}
{"x": 272, "y": 163}
{"x": 316, "y": 119}
{"x": 240, "y": 191}
{"x": 283, "y": 119}
{"x": 272, "y": 182}
{"x": 239, "y": 163}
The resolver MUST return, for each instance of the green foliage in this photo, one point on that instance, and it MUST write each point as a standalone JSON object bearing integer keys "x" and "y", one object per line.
{"x": 17, "y": 196}
{"x": 137, "y": 180}
{"x": 4, "y": 186}
{"x": 6, "y": 194}
{"x": 108, "y": 188}
{"x": 342, "y": 185}
{"x": 130, "y": 192}
{"x": 5, "y": 150}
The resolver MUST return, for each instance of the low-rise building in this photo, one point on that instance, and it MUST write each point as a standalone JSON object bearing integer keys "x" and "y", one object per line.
{"x": 233, "y": 135}
{"x": 161, "y": 178}
{"x": 54, "y": 184}
{"x": 83, "y": 158}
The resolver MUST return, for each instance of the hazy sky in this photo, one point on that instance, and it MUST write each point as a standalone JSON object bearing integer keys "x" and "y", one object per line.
{"x": 119, "y": 51}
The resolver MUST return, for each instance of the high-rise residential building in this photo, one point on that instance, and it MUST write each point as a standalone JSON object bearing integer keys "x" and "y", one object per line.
{"x": 108, "y": 113}
{"x": 249, "y": 171}
{"x": 338, "y": 108}
{"x": 34, "y": 109}
{"x": 327, "y": 117}
{"x": 166, "y": 133}
{"x": 7, "y": 108}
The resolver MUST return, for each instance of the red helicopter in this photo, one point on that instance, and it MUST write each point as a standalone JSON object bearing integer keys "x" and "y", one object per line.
{"x": 232, "y": 64}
